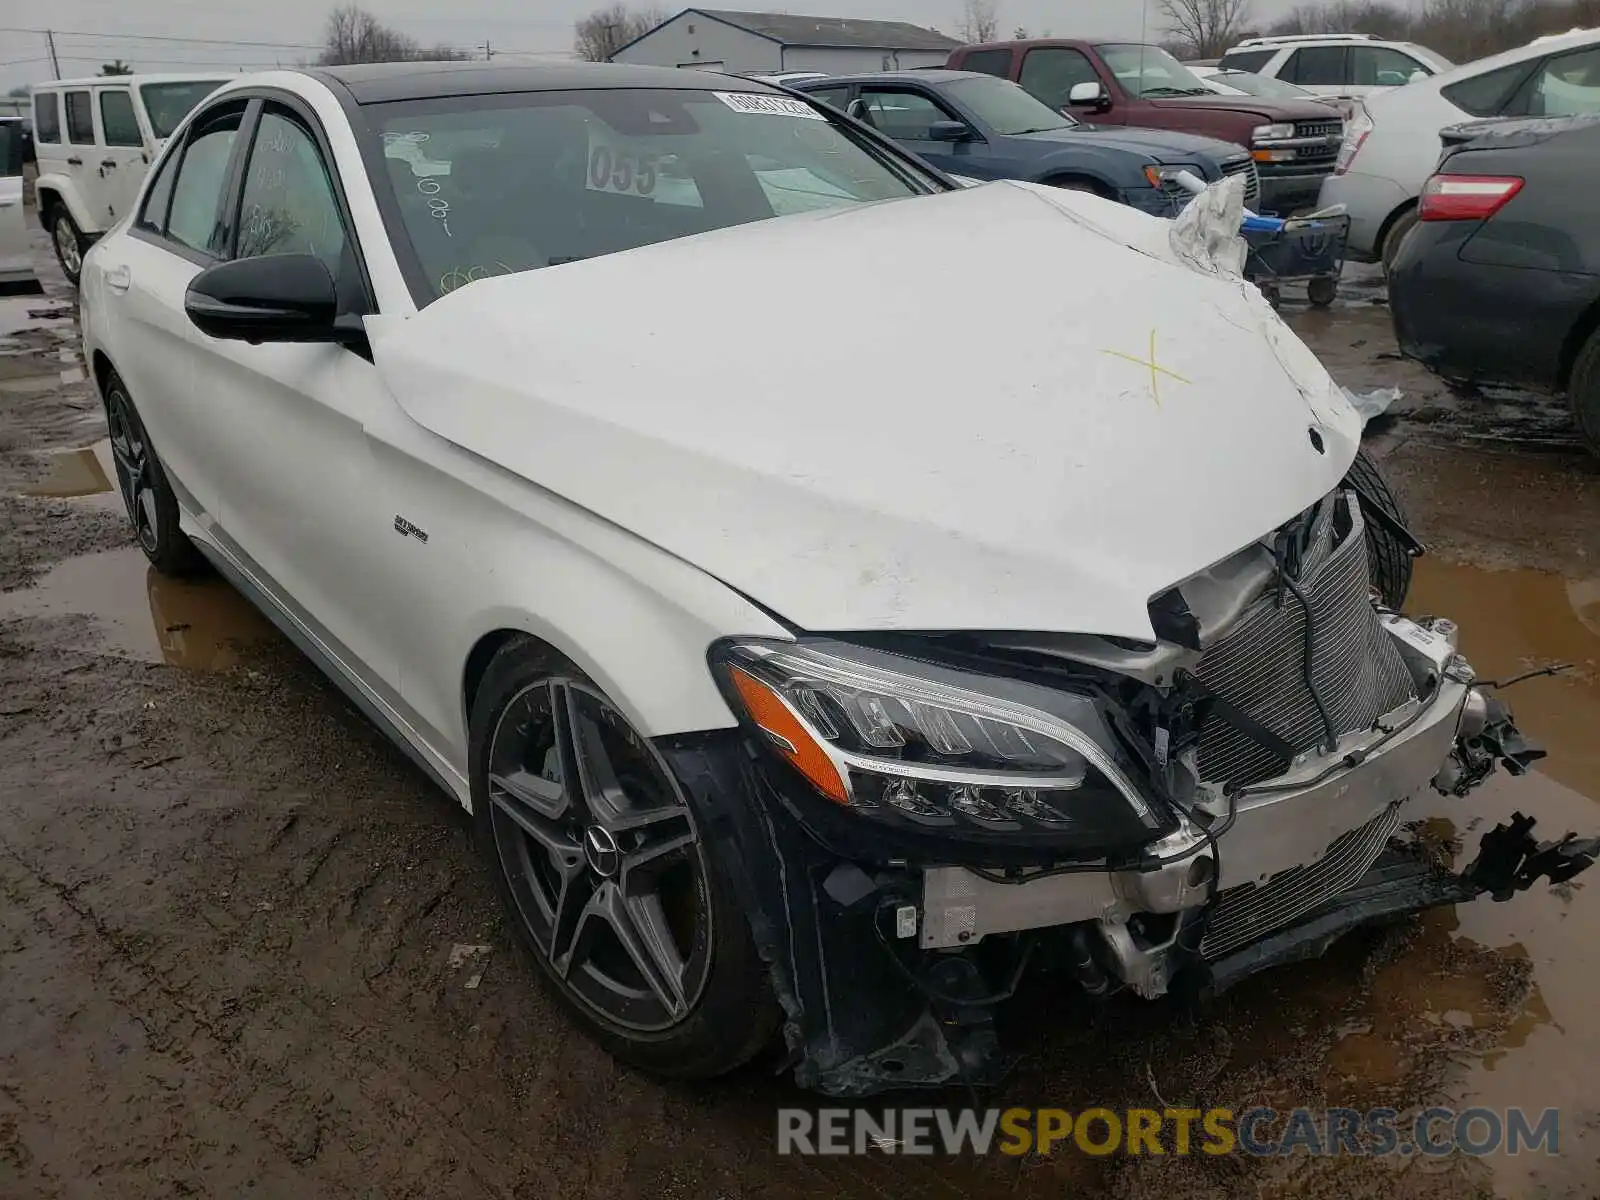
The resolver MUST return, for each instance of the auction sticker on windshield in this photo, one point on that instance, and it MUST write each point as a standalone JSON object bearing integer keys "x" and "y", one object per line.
{"x": 773, "y": 106}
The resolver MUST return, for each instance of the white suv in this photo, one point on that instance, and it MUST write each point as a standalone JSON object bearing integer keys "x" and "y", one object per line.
{"x": 95, "y": 139}
{"x": 1344, "y": 66}
{"x": 1392, "y": 142}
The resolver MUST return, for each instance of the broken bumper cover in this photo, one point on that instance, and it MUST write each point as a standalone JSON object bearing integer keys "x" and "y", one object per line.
{"x": 889, "y": 960}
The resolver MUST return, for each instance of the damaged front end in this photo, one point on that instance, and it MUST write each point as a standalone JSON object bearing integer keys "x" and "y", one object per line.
{"x": 912, "y": 822}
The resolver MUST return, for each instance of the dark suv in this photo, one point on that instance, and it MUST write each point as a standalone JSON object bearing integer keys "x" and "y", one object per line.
{"x": 1294, "y": 143}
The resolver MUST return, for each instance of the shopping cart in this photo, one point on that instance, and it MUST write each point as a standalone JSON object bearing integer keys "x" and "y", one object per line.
{"x": 1307, "y": 250}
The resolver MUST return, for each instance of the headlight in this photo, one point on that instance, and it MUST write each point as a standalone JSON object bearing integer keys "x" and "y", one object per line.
{"x": 1272, "y": 133}
{"x": 913, "y": 743}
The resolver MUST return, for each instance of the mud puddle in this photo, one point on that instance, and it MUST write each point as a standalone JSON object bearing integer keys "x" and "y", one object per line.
{"x": 86, "y": 474}
{"x": 134, "y": 612}
{"x": 1513, "y": 621}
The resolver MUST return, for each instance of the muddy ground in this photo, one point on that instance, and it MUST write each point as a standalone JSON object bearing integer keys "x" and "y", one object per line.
{"x": 246, "y": 950}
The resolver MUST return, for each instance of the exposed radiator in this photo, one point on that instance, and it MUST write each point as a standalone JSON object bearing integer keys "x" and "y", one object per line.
{"x": 1251, "y": 911}
{"x": 1259, "y": 665}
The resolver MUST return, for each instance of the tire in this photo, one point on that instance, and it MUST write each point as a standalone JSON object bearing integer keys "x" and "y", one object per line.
{"x": 1077, "y": 185}
{"x": 1387, "y": 560}
{"x": 1322, "y": 291}
{"x": 550, "y": 848}
{"x": 68, "y": 242}
{"x": 1583, "y": 391}
{"x": 1392, "y": 241}
{"x": 146, "y": 495}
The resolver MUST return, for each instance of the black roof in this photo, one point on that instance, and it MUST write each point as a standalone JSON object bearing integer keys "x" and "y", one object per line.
{"x": 377, "y": 83}
{"x": 792, "y": 29}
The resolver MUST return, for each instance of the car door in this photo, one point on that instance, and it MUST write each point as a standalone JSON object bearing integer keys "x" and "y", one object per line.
{"x": 300, "y": 506}
{"x": 121, "y": 160}
{"x": 142, "y": 278}
{"x": 83, "y": 157}
{"x": 906, "y": 115}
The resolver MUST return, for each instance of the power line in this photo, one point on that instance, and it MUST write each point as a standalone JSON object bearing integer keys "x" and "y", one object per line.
{"x": 152, "y": 37}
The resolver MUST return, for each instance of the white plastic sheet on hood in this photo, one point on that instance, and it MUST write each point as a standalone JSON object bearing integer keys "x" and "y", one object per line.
{"x": 1205, "y": 235}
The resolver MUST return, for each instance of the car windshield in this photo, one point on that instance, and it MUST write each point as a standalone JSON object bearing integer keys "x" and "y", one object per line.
{"x": 169, "y": 103}
{"x": 1005, "y": 107}
{"x": 1261, "y": 85}
{"x": 490, "y": 185}
{"x": 1150, "y": 71}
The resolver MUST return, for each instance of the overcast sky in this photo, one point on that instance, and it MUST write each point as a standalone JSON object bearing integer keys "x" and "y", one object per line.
{"x": 87, "y": 29}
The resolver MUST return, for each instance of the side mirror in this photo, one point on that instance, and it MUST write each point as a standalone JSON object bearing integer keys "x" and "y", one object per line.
{"x": 949, "y": 131}
{"x": 1088, "y": 95}
{"x": 1418, "y": 76}
{"x": 274, "y": 298}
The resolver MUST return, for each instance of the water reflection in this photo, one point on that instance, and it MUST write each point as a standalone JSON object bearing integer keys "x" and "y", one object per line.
{"x": 195, "y": 624}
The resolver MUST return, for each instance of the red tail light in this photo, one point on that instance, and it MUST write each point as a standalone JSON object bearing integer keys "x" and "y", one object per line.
{"x": 1466, "y": 197}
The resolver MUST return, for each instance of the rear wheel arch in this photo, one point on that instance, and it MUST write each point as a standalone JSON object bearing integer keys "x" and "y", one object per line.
{"x": 1582, "y": 330}
{"x": 1400, "y": 213}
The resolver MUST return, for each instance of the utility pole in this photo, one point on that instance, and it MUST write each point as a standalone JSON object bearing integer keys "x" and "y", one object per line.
{"x": 488, "y": 54}
{"x": 55, "y": 64}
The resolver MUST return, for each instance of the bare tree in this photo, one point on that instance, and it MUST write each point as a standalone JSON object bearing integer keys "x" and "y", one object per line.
{"x": 603, "y": 32}
{"x": 1205, "y": 27}
{"x": 353, "y": 35}
{"x": 116, "y": 67}
{"x": 980, "y": 20}
{"x": 1020, "y": 34}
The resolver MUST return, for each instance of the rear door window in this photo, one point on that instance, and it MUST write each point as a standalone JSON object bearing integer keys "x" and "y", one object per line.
{"x": 80, "y": 119}
{"x": 1246, "y": 60}
{"x": 988, "y": 62}
{"x": 1318, "y": 66}
{"x": 197, "y": 192}
{"x": 47, "y": 117}
{"x": 117, "y": 122}
{"x": 1051, "y": 72}
{"x": 153, "y": 213}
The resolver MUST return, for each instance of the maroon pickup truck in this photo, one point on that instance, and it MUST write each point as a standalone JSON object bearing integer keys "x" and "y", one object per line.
{"x": 1295, "y": 143}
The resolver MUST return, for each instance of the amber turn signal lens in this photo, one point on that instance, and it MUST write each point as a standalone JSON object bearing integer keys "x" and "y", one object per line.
{"x": 789, "y": 736}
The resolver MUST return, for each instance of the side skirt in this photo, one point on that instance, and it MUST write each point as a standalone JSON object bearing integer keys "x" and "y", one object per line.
{"x": 321, "y": 648}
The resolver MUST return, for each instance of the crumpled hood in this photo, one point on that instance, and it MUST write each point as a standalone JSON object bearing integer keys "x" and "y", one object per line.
{"x": 862, "y": 422}
{"x": 1163, "y": 145}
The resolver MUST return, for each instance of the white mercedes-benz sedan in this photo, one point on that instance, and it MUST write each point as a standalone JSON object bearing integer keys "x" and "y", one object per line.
{"x": 834, "y": 592}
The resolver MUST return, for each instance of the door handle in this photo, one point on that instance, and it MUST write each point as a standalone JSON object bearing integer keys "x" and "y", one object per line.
{"x": 74, "y": 161}
{"x": 109, "y": 163}
{"x": 118, "y": 279}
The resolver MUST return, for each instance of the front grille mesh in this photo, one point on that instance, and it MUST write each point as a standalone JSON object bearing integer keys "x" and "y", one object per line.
{"x": 1251, "y": 911}
{"x": 1259, "y": 664}
{"x": 1327, "y": 129}
{"x": 1252, "y": 179}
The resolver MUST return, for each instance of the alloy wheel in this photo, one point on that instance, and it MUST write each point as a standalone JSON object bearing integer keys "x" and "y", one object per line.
{"x": 602, "y": 856}
{"x": 66, "y": 239}
{"x": 131, "y": 453}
